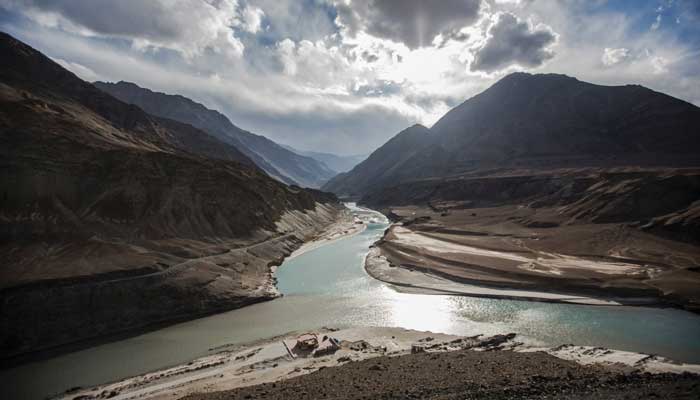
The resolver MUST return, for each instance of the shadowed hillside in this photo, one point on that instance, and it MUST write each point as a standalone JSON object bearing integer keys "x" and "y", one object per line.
{"x": 274, "y": 159}
{"x": 113, "y": 219}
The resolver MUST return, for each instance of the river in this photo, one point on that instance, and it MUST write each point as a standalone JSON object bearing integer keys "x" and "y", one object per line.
{"x": 329, "y": 287}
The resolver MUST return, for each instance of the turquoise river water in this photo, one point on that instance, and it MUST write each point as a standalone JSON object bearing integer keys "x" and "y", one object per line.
{"x": 329, "y": 287}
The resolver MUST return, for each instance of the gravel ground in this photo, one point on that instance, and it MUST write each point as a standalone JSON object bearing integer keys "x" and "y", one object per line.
{"x": 470, "y": 375}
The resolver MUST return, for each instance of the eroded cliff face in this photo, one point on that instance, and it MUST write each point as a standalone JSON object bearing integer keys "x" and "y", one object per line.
{"x": 112, "y": 220}
{"x": 71, "y": 291}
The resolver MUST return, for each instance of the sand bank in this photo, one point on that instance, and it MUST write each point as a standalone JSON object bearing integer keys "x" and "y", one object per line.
{"x": 422, "y": 281}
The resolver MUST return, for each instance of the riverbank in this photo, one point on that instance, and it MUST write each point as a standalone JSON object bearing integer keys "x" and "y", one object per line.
{"x": 346, "y": 225}
{"x": 423, "y": 281}
{"x": 330, "y": 285}
{"x": 203, "y": 279}
{"x": 373, "y": 361}
{"x": 527, "y": 254}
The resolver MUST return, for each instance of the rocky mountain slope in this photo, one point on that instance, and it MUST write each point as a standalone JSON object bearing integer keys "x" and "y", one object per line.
{"x": 384, "y": 166}
{"x": 274, "y": 159}
{"x": 604, "y": 153}
{"x": 540, "y": 122}
{"x": 113, "y": 220}
{"x": 544, "y": 183}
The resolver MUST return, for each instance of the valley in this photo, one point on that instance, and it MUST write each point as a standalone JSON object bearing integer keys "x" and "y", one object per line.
{"x": 327, "y": 286}
{"x": 523, "y": 235}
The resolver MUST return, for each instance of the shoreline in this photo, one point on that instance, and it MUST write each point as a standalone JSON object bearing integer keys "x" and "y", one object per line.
{"x": 404, "y": 258}
{"x": 343, "y": 228}
{"x": 266, "y": 291}
{"x": 216, "y": 371}
{"x": 267, "y": 360}
{"x": 346, "y": 227}
{"x": 423, "y": 281}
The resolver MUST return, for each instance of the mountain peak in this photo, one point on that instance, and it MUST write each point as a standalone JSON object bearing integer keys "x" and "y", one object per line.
{"x": 534, "y": 120}
{"x": 417, "y": 126}
{"x": 415, "y": 130}
{"x": 528, "y": 75}
{"x": 517, "y": 78}
{"x": 126, "y": 84}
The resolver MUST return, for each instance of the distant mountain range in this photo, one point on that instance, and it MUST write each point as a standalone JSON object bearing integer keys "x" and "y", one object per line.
{"x": 335, "y": 162}
{"x": 287, "y": 166}
{"x": 535, "y": 121}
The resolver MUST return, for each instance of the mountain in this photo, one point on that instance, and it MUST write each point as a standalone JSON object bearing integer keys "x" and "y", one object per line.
{"x": 335, "y": 162}
{"x": 113, "y": 220}
{"x": 536, "y": 121}
{"x": 384, "y": 166}
{"x": 278, "y": 162}
{"x": 543, "y": 183}
{"x": 533, "y": 117}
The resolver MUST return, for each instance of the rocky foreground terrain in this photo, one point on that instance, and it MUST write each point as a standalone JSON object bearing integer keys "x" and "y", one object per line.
{"x": 470, "y": 375}
{"x": 113, "y": 220}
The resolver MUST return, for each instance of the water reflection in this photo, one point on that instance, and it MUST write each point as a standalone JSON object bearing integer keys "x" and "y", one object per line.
{"x": 421, "y": 312}
{"x": 328, "y": 287}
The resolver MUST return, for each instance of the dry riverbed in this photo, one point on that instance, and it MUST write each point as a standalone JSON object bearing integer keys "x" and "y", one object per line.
{"x": 533, "y": 254}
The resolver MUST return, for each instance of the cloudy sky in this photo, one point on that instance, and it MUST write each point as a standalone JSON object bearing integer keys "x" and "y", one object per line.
{"x": 343, "y": 76}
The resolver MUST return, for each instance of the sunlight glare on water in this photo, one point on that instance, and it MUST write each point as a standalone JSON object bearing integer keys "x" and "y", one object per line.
{"x": 329, "y": 287}
{"x": 420, "y": 312}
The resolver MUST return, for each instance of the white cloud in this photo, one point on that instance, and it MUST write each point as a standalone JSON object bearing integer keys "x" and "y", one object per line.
{"x": 614, "y": 56}
{"x": 252, "y": 19}
{"x": 659, "y": 65}
{"x": 187, "y": 26}
{"x": 284, "y": 69}
{"x": 583, "y": 38}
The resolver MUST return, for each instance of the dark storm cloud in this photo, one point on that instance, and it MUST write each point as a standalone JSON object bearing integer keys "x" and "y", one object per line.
{"x": 135, "y": 18}
{"x": 188, "y": 26}
{"x": 512, "y": 41}
{"x": 412, "y": 22}
{"x": 454, "y": 34}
